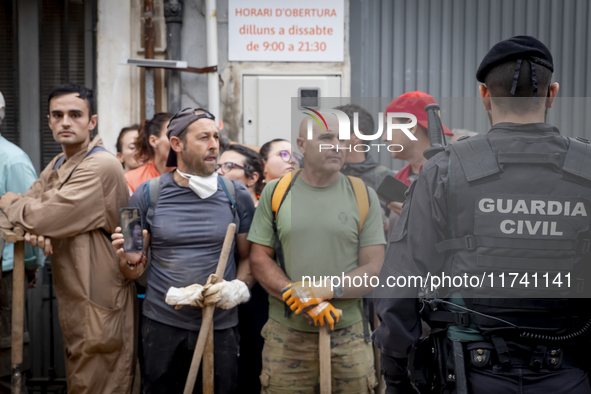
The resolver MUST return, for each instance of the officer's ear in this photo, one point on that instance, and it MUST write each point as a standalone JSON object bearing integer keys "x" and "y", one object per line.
{"x": 553, "y": 92}
{"x": 485, "y": 96}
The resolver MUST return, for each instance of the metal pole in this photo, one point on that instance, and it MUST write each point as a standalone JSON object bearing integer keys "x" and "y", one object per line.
{"x": 149, "y": 52}
{"x": 173, "y": 14}
{"x": 213, "y": 86}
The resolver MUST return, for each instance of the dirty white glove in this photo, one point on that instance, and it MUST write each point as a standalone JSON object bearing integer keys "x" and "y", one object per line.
{"x": 190, "y": 295}
{"x": 225, "y": 295}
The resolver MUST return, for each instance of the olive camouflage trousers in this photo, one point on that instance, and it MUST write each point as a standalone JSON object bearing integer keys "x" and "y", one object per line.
{"x": 291, "y": 363}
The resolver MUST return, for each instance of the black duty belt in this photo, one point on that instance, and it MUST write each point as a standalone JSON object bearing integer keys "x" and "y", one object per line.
{"x": 480, "y": 354}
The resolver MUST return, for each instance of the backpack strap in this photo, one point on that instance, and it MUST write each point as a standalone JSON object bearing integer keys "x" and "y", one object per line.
{"x": 59, "y": 161}
{"x": 362, "y": 197}
{"x": 281, "y": 190}
{"x": 152, "y": 194}
{"x": 476, "y": 157}
{"x": 279, "y": 193}
{"x": 230, "y": 191}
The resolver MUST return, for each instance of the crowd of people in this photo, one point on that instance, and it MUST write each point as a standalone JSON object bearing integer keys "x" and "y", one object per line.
{"x": 300, "y": 211}
{"x": 178, "y": 161}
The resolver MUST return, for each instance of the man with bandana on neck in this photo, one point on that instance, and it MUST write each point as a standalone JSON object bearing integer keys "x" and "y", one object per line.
{"x": 188, "y": 228}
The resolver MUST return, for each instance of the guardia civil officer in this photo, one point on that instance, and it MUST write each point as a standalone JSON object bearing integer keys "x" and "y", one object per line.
{"x": 512, "y": 201}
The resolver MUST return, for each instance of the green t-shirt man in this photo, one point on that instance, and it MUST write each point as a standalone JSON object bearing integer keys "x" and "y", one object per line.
{"x": 319, "y": 231}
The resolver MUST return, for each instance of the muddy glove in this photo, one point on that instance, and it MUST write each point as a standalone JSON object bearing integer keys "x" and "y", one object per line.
{"x": 323, "y": 313}
{"x": 302, "y": 295}
{"x": 225, "y": 295}
{"x": 191, "y": 295}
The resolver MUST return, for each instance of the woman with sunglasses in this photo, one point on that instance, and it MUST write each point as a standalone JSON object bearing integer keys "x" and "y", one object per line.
{"x": 245, "y": 165}
{"x": 279, "y": 159}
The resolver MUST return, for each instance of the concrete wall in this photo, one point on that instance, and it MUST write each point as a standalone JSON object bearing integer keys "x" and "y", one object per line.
{"x": 436, "y": 46}
{"x": 194, "y": 51}
{"x": 116, "y": 84}
{"x": 119, "y": 98}
{"x": 194, "y": 86}
{"x": 29, "y": 111}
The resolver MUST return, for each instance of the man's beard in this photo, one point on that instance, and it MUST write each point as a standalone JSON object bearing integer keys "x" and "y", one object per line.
{"x": 197, "y": 167}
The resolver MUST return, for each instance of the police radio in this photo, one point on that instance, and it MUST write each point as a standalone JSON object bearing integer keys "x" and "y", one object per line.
{"x": 435, "y": 131}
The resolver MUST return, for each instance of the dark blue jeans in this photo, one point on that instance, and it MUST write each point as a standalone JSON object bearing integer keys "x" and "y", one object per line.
{"x": 168, "y": 352}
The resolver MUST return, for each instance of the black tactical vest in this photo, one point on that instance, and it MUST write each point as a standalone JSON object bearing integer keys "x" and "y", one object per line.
{"x": 519, "y": 218}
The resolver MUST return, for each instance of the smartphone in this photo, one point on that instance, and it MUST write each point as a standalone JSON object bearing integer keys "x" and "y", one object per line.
{"x": 132, "y": 225}
{"x": 391, "y": 189}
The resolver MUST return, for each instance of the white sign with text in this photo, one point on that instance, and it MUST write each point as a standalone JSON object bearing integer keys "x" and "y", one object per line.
{"x": 286, "y": 31}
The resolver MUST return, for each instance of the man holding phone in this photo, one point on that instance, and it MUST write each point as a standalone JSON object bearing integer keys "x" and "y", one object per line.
{"x": 69, "y": 211}
{"x": 189, "y": 224}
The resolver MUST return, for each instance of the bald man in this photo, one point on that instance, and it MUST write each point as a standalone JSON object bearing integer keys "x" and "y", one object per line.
{"x": 323, "y": 237}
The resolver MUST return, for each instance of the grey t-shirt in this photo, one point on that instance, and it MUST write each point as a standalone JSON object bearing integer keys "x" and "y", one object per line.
{"x": 186, "y": 241}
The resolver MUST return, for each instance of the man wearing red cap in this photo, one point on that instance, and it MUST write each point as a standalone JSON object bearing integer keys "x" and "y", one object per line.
{"x": 413, "y": 103}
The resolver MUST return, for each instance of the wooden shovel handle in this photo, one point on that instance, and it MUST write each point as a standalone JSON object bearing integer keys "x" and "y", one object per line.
{"x": 324, "y": 355}
{"x": 207, "y": 317}
{"x": 18, "y": 315}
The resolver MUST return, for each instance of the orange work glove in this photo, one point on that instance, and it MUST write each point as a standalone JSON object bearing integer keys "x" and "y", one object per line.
{"x": 323, "y": 313}
{"x": 302, "y": 295}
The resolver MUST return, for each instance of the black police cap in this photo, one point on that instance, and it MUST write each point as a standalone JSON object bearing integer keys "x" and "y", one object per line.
{"x": 515, "y": 48}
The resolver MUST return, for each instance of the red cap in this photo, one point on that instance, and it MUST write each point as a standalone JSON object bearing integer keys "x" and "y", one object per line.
{"x": 415, "y": 103}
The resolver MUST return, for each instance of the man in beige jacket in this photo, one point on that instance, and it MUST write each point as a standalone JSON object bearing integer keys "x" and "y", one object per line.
{"x": 70, "y": 212}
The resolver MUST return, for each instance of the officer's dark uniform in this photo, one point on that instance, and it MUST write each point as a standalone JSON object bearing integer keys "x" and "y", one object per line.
{"x": 517, "y": 200}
